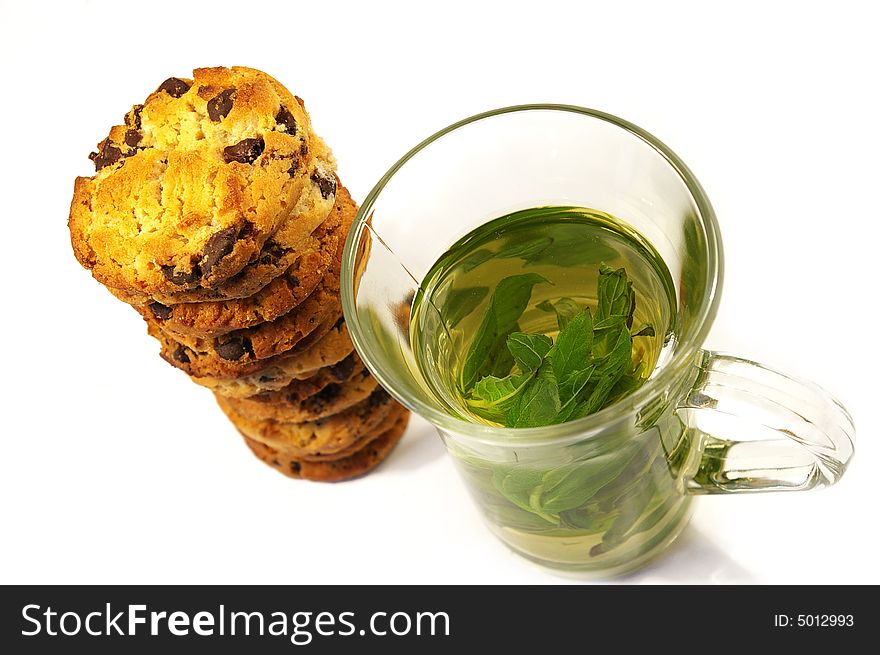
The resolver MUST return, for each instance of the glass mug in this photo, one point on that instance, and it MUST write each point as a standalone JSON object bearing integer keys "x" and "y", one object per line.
{"x": 605, "y": 493}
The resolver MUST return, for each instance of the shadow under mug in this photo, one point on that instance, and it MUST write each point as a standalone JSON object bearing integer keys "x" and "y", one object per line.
{"x": 604, "y": 493}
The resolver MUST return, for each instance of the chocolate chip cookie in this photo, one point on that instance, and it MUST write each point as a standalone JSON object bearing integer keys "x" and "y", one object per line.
{"x": 211, "y": 319}
{"x": 188, "y": 191}
{"x": 240, "y": 352}
{"x": 280, "y": 251}
{"x": 214, "y": 318}
{"x": 333, "y": 355}
{"x": 356, "y": 464}
{"x": 216, "y": 212}
{"x": 321, "y": 438}
{"x": 314, "y": 382}
{"x": 299, "y": 401}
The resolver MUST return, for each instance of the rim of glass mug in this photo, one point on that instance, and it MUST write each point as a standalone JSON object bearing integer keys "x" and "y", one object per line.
{"x": 587, "y": 426}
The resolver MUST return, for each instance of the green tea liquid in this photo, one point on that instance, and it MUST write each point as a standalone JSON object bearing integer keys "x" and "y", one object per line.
{"x": 607, "y": 503}
{"x": 565, "y": 245}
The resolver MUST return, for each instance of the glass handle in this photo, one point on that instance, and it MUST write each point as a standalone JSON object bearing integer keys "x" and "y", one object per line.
{"x": 755, "y": 429}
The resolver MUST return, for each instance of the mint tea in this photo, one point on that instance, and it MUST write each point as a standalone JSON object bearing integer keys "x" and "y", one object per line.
{"x": 559, "y": 350}
{"x": 541, "y": 317}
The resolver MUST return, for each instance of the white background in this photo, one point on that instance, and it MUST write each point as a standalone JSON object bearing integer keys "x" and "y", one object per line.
{"x": 116, "y": 468}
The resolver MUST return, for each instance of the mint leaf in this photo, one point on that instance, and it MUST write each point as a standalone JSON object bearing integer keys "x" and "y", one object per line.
{"x": 570, "y": 486}
{"x": 499, "y": 361}
{"x": 538, "y": 403}
{"x": 573, "y": 344}
{"x": 590, "y": 518}
{"x": 589, "y": 366}
{"x": 609, "y": 323}
{"x": 637, "y": 501}
{"x": 629, "y": 382}
{"x": 570, "y": 389}
{"x": 507, "y": 304}
{"x": 527, "y": 250}
{"x": 597, "y": 397}
{"x": 588, "y": 391}
{"x": 568, "y": 248}
{"x": 492, "y": 397}
{"x": 519, "y": 486}
{"x": 461, "y": 302}
{"x": 624, "y": 386}
{"x": 572, "y": 384}
{"x": 615, "y": 352}
{"x": 494, "y": 390}
{"x": 613, "y": 361}
{"x": 616, "y": 295}
{"x": 528, "y": 350}
{"x": 476, "y": 258}
{"x": 565, "y": 308}
{"x": 606, "y": 336}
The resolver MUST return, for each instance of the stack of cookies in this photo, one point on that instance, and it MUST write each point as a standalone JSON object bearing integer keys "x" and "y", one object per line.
{"x": 216, "y": 212}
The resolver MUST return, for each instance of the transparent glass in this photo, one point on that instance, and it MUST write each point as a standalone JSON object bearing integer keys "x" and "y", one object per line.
{"x": 605, "y": 493}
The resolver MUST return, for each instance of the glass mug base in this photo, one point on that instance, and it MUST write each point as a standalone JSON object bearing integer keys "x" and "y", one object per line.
{"x": 572, "y": 557}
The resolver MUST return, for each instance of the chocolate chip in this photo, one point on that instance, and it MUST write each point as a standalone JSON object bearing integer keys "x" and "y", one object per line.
{"x": 285, "y": 118}
{"x": 272, "y": 252}
{"x": 132, "y": 138}
{"x": 181, "y": 277}
{"x": 293, "y": 281}
{"x": 133, "y": 117}
{"x": 326, "y": 183}
{"x": 235, "y": 349}
{"x": 220, "y": 105}
{"x": 218, "y": 246}
{"x": 342, "y": 370}
{"x": 235, "y": 279}
{"x": 338, "y": 324}
{"x": 231, "y": 350}
{"x": 180, "y": 355}
{"x": 303, "y": 149}
{"x": 276, "y": 463}
{"x": 295, "y": 466}
{"x": 294, "y": 166}
{"x": 246, "y": 230}
{"x": 328, "y": 393}
{"x": 174, "y": 86}
{"x": 378, "y": 397}
{"x": 160, "y": 311}
{"x": 107, "y": 155}
{"x": 244, "y": 152}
